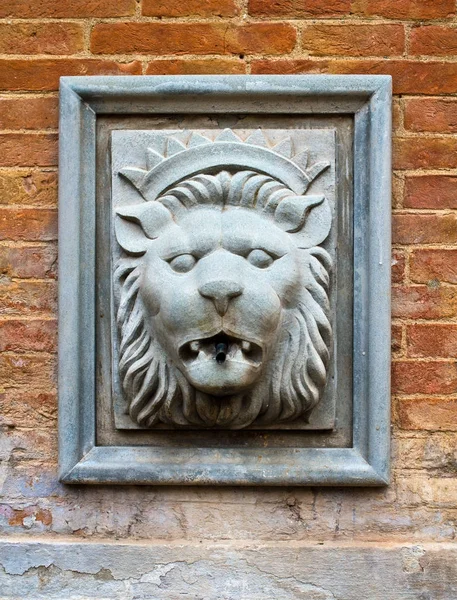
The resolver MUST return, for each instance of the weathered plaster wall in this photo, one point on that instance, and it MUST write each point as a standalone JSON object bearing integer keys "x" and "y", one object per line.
{"x": 232, "y": 543}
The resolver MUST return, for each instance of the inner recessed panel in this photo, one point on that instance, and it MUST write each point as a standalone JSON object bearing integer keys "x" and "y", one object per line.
{"x": 224, "y": 269}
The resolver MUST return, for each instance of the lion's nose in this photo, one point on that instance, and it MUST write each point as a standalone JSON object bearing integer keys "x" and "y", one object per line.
{"x": 221, "y": 292}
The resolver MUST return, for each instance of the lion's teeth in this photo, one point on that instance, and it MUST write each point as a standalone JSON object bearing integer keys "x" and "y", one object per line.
{"x": 194, "y": 346}
{"x": 245, "y": 346}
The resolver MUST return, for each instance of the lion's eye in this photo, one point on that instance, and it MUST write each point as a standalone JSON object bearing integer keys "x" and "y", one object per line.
{"x": 260, "y": 259}
{"x": 183, "y": 263}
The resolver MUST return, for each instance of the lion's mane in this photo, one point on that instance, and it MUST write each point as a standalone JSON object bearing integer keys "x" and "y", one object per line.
{"x": 157, "y": 391}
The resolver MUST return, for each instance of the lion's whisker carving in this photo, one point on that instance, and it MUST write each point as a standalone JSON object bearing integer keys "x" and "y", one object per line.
{"x": 222, "y": 297}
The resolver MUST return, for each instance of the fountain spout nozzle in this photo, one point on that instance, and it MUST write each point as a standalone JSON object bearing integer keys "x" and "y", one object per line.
{"x": 221, "y": 352}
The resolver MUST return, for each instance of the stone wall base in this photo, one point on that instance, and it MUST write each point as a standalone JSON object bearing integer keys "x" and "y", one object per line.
{"x": 66, "y": 570}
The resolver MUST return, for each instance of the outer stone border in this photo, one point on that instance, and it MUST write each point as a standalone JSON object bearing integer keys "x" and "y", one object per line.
{"x": 368, "y": 99}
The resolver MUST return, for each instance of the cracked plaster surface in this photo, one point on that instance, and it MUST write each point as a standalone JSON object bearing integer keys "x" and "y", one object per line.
{"x": 77, "y": 571}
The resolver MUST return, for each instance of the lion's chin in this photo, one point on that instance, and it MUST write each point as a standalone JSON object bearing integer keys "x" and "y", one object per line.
{"x": 221, "y": 365}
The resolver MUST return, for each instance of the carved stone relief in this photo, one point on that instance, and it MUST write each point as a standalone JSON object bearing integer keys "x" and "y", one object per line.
{"x": 224, "y": 277}
{"x": 222, "y": 271}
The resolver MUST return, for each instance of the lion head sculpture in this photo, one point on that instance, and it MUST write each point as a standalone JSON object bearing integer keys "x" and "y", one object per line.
{"x": 222, "y": 294}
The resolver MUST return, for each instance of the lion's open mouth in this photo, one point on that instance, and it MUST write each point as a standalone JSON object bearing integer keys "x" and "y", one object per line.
{"x": 221, "y": 348}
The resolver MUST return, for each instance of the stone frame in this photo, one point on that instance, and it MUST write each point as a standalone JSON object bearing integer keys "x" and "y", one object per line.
{"x": 368, "y": 100}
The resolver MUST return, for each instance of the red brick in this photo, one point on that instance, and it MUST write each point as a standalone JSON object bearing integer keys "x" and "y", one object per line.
{"x": 299, "y": 8}
{"x": 397, "y": 189}
{"x": 430, "y": 489}
{"x": 424, "y": 229}
{"x": 397, "y": 111}
{"x": 41, "y": 38}
{"x": 32, "y": 9}
{"x": 26, "y": 112}
{"x": 181, "y": 66}
{"x": 26, "y": 149}
{"x": 36, "y": 445}
{"x": 431, "y": 191}
{"x": 28, "y": 224}
{"x": 29, "y": 409}
{"x": 422, "y": 302}
{"x": 26, "y": 336}
{"x": 28, "y": 297}
{"x": 424, "y": 377}
{"x": 33, "y": 372}
{"x": 17, "y": 517}
{"x": 27, "y": 448}
{"x": 435, "y": 452}
{"x": 429, "y": 152}
{"x": 429, "y": 414}
{"x": 432, "y": 340}
{"x": 37, "y": 188}
{"x": 398, "y": 266}
{"x": 190, "y": 8}
{"x": 433, "y": 40}
{"x": 434, "y": 266}
{"x": 28, "y": 261}
{"x": 405, "y": 9}
{"x": 396, "y": 338}
{"x": 44, "y": 73}
{"x": 192, "y": 38}
{"x": 431, "y": 114}
{"x": 353, "y": 40}
{"x": 409, "y": 76}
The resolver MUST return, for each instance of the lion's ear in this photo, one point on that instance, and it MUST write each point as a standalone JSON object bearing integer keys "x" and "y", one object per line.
{"x": 307, "y": 218}
{"x": 137, "y": 223}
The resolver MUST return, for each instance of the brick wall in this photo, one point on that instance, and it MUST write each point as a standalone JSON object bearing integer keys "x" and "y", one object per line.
{"x": 413, "y": 40}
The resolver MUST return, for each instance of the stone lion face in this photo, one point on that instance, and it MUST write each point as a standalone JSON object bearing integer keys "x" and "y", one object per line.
{"x": 226, "y": 277}
{"x": 222, "y": 303}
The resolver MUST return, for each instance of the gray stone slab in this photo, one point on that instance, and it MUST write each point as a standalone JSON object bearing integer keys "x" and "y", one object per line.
{"x": 185, "y": 571}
